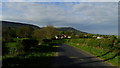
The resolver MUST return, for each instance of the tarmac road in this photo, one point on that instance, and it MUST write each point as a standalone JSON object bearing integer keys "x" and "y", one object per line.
{"x": 70, "y": 57}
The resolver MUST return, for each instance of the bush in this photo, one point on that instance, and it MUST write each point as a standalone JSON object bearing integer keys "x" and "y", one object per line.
{"x": 11, "y": 48}
{"x": 28, "y": 43}
{"x": 4, "y": 49}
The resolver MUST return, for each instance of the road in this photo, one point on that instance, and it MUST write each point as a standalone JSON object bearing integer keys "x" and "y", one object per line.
{"x": 70, "y": 57}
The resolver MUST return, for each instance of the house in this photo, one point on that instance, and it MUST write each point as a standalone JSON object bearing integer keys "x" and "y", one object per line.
{"x": 63, "y": 36}
{"x": 56, "y": 37}
{"x": 94, "y": 36}
{"x": 69, "y": 37}
{"x": 99, "y": 37}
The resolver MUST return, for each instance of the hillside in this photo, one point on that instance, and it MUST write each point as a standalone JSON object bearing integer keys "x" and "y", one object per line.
{"x": 6, "y": 24}
{"x": 15, "y": 24}
{"x": 70, "y": 29}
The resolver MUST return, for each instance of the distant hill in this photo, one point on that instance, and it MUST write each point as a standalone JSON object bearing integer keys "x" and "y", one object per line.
{"x": 70, "y": 29}
{"x": 6, "y": 24}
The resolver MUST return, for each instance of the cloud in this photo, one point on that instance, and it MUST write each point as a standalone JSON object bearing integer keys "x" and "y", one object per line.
{"x": 103, "y": 0}
{"x": 0, "y": 11}
{"x": 34, "y": 12}
{"x": 60, "y": 0}
{"x": 97, "y": 14}
{"x": 84, "y": 16}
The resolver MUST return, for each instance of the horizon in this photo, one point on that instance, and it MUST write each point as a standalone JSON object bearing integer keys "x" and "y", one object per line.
{"x": 96, "y": 18}
{"x": 54, "y": 26}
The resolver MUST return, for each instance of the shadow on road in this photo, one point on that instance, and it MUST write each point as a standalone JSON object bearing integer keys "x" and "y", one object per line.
{"x": 65, "y": 62}
{"x": 47, "y": 62}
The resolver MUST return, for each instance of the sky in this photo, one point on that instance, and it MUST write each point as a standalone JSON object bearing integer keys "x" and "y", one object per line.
{"x": 91, "y": 17}
{"x": 60, "y": 0}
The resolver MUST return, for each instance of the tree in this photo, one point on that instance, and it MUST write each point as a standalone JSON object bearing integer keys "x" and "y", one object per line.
{"x": 8, "y": 34}
{"x": 81, "y": 35}
{"x": 24, "y": 31}
{"x": 49, "y": 31}
{"x": 38, "y": 34}
{"x": 113, "y": 38}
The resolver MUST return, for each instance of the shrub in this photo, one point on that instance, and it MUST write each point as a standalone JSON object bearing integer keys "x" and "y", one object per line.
{"x": 28, "y": 43}
{"x": 4, "y": 49}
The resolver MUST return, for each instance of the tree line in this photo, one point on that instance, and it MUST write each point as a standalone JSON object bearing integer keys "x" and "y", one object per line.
{"x": 28, "y": 32}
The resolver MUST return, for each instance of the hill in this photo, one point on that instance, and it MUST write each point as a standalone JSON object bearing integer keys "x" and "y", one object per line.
{"x": 70, "y": 29}
{"x": 6, "y": 24}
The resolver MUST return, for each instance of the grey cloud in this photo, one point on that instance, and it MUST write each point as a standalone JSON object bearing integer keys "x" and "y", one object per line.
{"x": 61, "y": 1}
{"x": 83, "y": 14}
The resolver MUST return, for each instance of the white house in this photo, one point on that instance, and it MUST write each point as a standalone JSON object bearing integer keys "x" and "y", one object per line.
{"x": 69, "y": 37}
{"x": 99, "y": 37}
